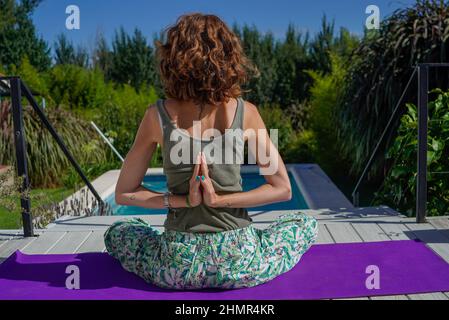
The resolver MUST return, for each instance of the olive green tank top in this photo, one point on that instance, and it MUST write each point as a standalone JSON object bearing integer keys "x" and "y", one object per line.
{"x": 224, "y": 153}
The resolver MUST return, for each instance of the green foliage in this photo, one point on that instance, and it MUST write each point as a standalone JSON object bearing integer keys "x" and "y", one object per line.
{"x": 303, "y": 148}
{"x": 65, "y": 53}
{"x": 6, "y": 14}
{"x": 292, "y": 59}
{"x": 398, "y": 190}
{"x": 122, "y": 115}
{"x": 76, "y": 87}
{"x": 32, "y": 77}
{"x": 118, "y": 111}
{"x": 102, "y": 57}
{"x": 47, "y": 205}
{"x": 294, "y": 146}
{"x": 261, "y": 50}
{"x": 92, "y": 170}
{"x": 131, "y": 60}
{"x": 325, "y": 94}
{"x": 18, "y": 35}
{"x": 379, "y": 70}
{"x": 46, "y": 161}
{"x": 322, "y": 45}
{"x": 44, "y": 202}
{"x": 275, "y": 118}
{"x": 282, "y": 65}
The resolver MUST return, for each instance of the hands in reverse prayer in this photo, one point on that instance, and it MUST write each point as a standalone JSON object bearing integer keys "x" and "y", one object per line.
{"x": 201, "y": 188}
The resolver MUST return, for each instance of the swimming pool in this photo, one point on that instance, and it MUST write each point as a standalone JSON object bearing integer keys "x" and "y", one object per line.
{"x": 250, "y": 181}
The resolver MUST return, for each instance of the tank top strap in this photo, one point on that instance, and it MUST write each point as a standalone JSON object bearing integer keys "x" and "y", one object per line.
{"x": 238, "y": 120}
{"x": 166, "y": 122}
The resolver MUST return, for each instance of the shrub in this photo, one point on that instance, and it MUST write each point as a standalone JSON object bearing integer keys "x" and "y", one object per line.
{"x": 122, "y": 115}
{"x": 399, "y": 187}
{"x": 275, "y": 118}
{"x": 75, "y": 87}
{"x": 295, "y": 146}
{"x": 303, "y": 148}
{"x": 46, "y": 161}
{"x": 379, "y": 70}
{"x": 326, "y": 93}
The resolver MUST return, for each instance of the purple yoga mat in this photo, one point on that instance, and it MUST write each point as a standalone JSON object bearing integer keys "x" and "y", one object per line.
{"x": 325, "y": 271}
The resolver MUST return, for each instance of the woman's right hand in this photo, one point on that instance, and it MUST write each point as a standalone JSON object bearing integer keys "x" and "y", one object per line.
{"x": 195, "y": 195}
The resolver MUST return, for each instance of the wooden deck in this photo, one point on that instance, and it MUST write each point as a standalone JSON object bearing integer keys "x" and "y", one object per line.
{"x": 78, "y": 235}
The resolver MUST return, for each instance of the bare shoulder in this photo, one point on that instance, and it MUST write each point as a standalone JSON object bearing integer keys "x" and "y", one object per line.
{"x": 151, "y": 110}
{"x": 252, "y": 118}
{"x": 151, "y": 124}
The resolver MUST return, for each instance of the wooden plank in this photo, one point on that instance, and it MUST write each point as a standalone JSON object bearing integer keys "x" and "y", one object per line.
{"x": 270, "y": 216}
{"x": 343, "y": 233}
{"x": 257, "y": 225}
{"x": 402, "y": 297}
{"x": 397, "y": 231}
{"x": 2, "y": 243}
{"x": 44, "y": 242}
{"x": 428, "y": 296}
{"x": 434, "y": 238}
{"x": 93, "y": 243}
{"x": 69, "y": 243}
{"x": 12, "y": 246}
{"x": 442, "y": 225}
{"x": 350, "y": 299}
{"x": 9, "y": 234}
{"x": 327, "y": 215}
{"x": 324, "y": 237}
{"x": 370, "y": 232}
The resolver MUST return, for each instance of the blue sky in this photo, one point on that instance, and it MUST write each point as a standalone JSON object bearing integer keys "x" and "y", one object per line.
{"x": 151, "y": 16}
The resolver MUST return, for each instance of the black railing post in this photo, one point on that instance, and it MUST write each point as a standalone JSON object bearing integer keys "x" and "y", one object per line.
{"x": 423, "y": 113}
{"x": 355, "y": 199}
{"x": 21, "y": 155}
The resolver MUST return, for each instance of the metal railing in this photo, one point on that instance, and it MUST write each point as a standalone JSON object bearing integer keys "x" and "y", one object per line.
{"x": 19, "y": 90}
{"x": 423, "y": 116}
{"x": 106, "y": 140}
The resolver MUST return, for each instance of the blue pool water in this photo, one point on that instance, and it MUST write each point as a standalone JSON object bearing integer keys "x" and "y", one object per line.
{"x": 250, "y": 181}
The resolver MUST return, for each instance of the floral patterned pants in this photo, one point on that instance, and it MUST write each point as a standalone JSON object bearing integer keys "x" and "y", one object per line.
{"x": 231, "y": 259}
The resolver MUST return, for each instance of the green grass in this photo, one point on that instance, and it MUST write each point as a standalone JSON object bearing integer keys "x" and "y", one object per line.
{"x": 13, "y": 220}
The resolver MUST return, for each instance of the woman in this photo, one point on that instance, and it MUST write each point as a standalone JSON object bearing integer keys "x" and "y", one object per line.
{"x": 209, "y": 240}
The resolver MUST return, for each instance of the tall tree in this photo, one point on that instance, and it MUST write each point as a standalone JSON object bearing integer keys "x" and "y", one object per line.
{"x": 322, "y": 45}
{"x": 6, "y": 14}
{"x": 132, "y": 59}
{"x": 65, "y": 53}
{"x": 292, "y": 60}
{"x": 102, "y": 56}
{"x": 18, "y": 36}
{"x": 260, "y": 49}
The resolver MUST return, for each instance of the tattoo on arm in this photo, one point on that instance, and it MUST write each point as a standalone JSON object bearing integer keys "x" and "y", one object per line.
{"x": 132, "y": 197}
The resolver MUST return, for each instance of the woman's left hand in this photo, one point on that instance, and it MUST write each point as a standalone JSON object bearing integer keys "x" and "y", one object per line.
{"x": 210, "y": 198}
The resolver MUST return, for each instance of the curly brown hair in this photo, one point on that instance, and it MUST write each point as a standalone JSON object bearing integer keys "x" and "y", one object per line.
{"x": 202, "y": 60}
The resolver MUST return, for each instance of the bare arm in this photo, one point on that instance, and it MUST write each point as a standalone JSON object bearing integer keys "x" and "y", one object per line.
{"x": 129, "y": 191}
{"x": 277, "y": 187}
